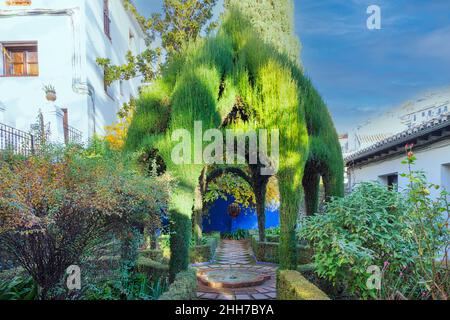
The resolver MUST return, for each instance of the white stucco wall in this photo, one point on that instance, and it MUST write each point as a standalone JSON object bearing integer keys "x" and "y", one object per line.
{"x": 434, "y": 160}
{"x": 70, "y": 37}
{"x": 22, "y": 97}
{"x": 98, "y": 45}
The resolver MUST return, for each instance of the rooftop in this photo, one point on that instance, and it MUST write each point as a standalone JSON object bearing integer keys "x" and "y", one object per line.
{"x": 428, "y": 132}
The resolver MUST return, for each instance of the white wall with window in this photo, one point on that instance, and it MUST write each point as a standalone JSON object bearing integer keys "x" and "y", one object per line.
{"x": 434, "y": 160}
{"x": 57, "y": 42}
{"x": 445, "y": 176}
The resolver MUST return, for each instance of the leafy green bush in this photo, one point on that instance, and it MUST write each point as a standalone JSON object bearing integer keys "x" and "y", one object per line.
{"x": 183, "y": 288}
{"x": 54, "y": 207}
{"x": 273, "y": 231}
{"x": 368, "y": 227}
{"x": 19, "y": 288}
{"x": 151, "y": 267}
{"x": 291, "y": 285}
{"x": 236, "y": 235}
{"x": 405, "y": 234}
{"x": 134, "y": 286}
{"x": 431, "y": 217}
{"x": 204, "y": 252}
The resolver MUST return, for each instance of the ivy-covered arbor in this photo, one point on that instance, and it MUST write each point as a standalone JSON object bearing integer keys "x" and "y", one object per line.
{"x": 236, "y": 72}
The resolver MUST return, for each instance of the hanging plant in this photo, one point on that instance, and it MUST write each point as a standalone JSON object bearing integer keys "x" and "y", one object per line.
{"x": 234, "y": 210}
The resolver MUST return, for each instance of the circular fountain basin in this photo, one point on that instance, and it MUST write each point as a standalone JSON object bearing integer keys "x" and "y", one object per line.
{"x": 231, "y": 278}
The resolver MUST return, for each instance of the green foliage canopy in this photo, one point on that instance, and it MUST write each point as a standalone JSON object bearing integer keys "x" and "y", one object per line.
{"x": 274, "y": 22}
{"x": 236, "y": 67}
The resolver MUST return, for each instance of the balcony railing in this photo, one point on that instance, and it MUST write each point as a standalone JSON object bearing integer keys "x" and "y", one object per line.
{"x": 72, "y": 135}
{"x": 23, "y": 143}
{"x": 16, "y": 141}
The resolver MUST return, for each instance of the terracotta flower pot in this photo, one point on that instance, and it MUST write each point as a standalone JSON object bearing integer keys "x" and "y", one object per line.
{"x": 234, "y": 210}
{"x": 51, "y": 96}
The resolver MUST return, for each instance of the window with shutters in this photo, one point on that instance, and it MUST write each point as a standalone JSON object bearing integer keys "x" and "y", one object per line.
{"x": 20, "y": 59}
{"x": 106, "y": 19}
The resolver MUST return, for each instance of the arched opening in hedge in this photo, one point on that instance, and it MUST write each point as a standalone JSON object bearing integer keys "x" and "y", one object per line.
{"x": 228, "y": 72}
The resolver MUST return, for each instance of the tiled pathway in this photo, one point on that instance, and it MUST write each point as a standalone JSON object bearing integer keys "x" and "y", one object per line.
{"x": 234, "y": 252}
{"x": 238, "y": 255}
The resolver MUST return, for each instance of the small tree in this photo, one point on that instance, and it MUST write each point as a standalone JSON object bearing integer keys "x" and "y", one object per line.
{"x": 53, "y": 207}
{"x": 369, "y": 227}
{"x": 431, "y": 218}
{"x": 182, "y": 22}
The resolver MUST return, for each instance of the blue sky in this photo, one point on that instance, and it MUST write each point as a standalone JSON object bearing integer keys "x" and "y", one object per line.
{"x": 360, "y": 72}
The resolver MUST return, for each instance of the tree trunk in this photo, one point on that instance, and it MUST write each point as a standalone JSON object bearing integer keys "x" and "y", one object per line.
{"x": 260, "y": 195}
{"x": 259, "y": 185}
{"x": 197, "y": 216}
{"x": 199, "y": 207}
{"x": 311, "y": 187}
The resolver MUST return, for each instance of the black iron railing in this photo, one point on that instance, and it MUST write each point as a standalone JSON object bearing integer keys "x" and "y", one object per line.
{"x": 16, "y": 141}
{"x": 23, "y": 143}
{"x": 73, "y": 135}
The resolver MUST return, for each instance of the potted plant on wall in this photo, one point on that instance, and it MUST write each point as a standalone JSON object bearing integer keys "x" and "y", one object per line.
{"x": 50, "y": 93}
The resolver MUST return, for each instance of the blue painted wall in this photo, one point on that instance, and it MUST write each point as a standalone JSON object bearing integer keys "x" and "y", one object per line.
{"x": 219, "y": 220}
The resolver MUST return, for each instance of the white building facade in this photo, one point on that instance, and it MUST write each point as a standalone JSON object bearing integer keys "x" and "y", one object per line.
{"x": 48, "y": 42}
{"x": 409, "y": 115}
{"x": 383, "y": 161}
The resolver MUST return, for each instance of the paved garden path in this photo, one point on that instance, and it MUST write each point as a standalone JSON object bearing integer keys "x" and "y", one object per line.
{"x": 237, "y": 257}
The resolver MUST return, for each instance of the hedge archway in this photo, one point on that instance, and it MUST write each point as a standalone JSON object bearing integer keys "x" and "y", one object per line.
{"x": 204, "y": 85}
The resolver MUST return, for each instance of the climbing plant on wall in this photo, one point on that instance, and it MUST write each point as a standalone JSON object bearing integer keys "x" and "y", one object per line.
{"x": 236, "y": 67}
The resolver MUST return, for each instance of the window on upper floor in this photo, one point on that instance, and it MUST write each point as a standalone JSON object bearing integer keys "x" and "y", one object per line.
{"x": 19, "y": 59}
{"x": 18, "y": 2}
{"x": 106, "y": 19}
{"x": 131, "y": 39}
{"x": 445, "y": 177}
{"x": 390, "y": 180}
{"x": 445, "y": 109}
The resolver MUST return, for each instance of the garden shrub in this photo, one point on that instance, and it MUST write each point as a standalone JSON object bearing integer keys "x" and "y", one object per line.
{"x": 55, "y": 207}
{"x": 273, "y": 231}
{"x": 291, "y": 285}
{"x": 236, "y": 235}
{"x": 430, "y": 218}
{"x": 151, "y": 267}
{"x": 206, "y": 252}
{"x": 183, "y": 288}
{"x": 108, "y": 262}
{"x": 164, "y": 245}
{"x": 272, "y": 238}
{"x": 368, "y": 227}
{"x": 199, "y": 254}
{"x": 306, "y": 268}
{"x": 270, "y": 252}
{"x": 272, "y": 235}
{"x": 154, "y": 254}
{"x": 134, "y": 286}
{"x": 18, "y": 288}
